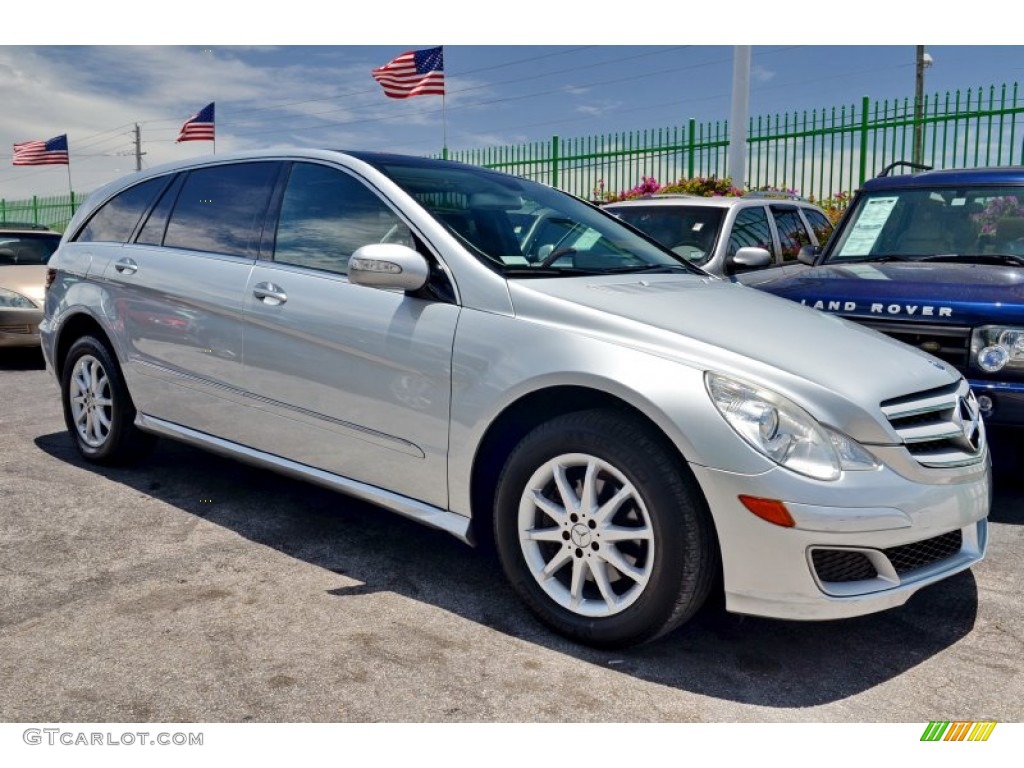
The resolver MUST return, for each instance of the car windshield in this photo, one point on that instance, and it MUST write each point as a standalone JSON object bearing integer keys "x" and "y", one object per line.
{"x": 690, "y": 231}
{"x": 948, "y": 223}
{"x": 523, "y": 228}
{"x": 27, "y": 247}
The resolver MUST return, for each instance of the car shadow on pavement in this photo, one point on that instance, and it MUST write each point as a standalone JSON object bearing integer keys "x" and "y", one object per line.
{"x": 747, "y": 660}
{"x": 22, "y": 359}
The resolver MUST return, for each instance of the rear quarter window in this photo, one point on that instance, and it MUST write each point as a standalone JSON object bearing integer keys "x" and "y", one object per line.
{"x": 115, "y": 220}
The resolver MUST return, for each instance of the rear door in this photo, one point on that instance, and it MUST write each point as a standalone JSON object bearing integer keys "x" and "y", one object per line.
{"x": 793, "y": 232}
{"x": 178, "y": 291}
{"x": 352, "y": 380}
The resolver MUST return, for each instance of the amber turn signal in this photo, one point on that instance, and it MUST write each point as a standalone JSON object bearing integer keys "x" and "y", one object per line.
{"x": 772, "y": 510}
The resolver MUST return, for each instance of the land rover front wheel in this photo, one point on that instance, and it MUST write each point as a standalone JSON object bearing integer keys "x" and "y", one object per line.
{"x": 602, "y": 530}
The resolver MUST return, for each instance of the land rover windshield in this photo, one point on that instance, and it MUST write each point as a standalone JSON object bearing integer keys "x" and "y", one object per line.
{"x": 943, "y": 223}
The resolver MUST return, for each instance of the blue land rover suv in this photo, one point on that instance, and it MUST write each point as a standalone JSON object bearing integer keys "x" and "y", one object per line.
{"x": 936, "y": 260}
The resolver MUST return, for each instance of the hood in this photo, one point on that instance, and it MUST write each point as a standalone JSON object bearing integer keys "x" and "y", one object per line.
{"x": 27, "y": 279}
{"x": 959, "y": 294}
{"x": 719, "y": 325}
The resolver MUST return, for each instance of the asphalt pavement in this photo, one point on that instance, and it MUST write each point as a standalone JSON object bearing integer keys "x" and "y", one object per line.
{"x": 193, "y": 588}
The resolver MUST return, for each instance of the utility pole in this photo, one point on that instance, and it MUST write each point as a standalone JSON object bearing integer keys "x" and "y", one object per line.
{"x": 923, "y": 60}
{"x": 737, "y": 159}
{"x": 138, "y": 148}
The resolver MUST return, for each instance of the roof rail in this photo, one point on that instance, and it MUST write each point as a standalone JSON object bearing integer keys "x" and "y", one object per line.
{"x": 771, "y": 195}
{"x": 907, "y": 163}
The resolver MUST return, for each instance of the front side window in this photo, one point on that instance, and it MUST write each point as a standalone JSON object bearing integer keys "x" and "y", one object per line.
{"x": 327, "y": 214}
{"x": 221, "y": 208}
{"x": 750, "y": 231}
{"x": 115, "y": 220}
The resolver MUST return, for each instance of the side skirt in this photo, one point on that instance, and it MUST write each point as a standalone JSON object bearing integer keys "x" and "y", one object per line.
{"x": 434, "y": 517}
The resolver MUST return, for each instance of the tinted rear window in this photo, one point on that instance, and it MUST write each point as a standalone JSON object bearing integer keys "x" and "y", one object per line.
{"x": 221, "y": 209}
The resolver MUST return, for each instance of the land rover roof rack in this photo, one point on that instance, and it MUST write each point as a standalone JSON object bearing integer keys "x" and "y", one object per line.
{"x": 909, "y": 164}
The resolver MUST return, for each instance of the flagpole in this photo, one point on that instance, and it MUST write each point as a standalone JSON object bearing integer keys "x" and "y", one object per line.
{"x": 444, "y": 128}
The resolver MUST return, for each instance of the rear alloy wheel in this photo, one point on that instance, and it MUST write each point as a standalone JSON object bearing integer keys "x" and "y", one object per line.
{"x": 98, "y": 410}
{"x": 602, "y": 530}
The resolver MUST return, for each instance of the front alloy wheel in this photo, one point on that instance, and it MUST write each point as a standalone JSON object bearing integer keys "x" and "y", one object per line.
{"x": 586, "y": 535}
{"x": 602, "y": 529}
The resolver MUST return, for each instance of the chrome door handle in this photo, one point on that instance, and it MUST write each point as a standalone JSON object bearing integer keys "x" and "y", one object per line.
{"x": 269, "y": 293}
{"x": 126, "y": 266}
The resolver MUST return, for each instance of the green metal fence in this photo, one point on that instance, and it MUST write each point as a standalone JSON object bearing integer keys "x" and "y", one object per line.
{"x": 53, "y": 212}
{"x": 818, "y": 153}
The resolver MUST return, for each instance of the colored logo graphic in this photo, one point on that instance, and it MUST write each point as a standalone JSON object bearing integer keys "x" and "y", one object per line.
{"x": 958, "y": 731}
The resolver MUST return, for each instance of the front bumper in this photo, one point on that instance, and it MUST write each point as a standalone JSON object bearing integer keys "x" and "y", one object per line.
{"x": 1005, "y": 402}
{"x": 863, "y": 544}
{"x": 20, "y": 327}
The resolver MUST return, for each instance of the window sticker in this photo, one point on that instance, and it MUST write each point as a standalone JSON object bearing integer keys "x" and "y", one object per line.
{"x": 587, "y": 240}
{"x": 868, "y": 226}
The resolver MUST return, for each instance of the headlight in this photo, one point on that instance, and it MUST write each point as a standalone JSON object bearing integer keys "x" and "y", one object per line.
{"x": 15, "y": 300}
{"x": 784, "y": 432}
{"x": 994, "y": 347}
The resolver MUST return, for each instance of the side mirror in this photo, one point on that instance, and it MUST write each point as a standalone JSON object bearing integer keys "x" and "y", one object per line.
{"x": 388, "y": 265}
{"x": 750, "y": 258}
{"x": 808, "y": 254}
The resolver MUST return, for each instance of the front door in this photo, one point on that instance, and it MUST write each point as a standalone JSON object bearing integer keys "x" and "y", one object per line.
{"x": 352, "y": 380}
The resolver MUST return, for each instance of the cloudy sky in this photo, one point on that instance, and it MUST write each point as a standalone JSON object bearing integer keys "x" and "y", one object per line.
{"x": 273, "y": 88}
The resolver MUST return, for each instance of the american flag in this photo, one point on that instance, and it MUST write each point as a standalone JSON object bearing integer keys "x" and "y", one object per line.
{"x": 415, "y": 73}
{"x": 199, "y": 127}
{"x": 52, "y": 152}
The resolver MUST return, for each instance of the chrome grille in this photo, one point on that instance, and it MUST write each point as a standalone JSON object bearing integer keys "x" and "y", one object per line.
{"x": 949, "y": 343}
{"x": 20, "y": 328}
{"x": 940, "y": 427}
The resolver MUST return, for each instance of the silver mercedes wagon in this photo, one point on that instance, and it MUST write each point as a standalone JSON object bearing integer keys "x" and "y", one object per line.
{"x": 500, "y": 360}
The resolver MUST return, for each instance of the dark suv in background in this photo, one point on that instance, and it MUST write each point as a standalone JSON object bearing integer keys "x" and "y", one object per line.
{"x": 936, "y": 260}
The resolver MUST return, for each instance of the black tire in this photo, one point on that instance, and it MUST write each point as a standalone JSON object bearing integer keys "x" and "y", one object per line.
{"x": 98, "y": 410}
{"x": 662, "y": 530}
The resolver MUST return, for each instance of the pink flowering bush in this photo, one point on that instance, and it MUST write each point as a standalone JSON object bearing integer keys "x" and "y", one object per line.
{"x": 712, "y": 186}
{"x": 701, "y": 186}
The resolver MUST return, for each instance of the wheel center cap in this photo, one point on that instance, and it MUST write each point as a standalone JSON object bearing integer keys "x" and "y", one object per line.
{"x": 581, "y": 535}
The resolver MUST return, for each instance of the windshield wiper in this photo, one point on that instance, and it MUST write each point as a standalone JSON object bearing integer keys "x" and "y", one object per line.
{"x": 865, "y": 259}
{"x": 978, "y": 258}
{"x": 651, "y": 268}
{"x": 549, "y": 271}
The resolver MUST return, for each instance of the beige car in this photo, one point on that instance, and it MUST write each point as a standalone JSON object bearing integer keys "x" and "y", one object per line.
{"x": 23, "y": 256}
